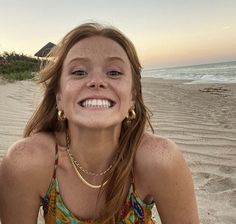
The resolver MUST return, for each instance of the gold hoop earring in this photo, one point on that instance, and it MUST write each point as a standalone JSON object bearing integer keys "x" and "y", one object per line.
{"x": 131, "y": 116}
{"x": 61, "y": 115}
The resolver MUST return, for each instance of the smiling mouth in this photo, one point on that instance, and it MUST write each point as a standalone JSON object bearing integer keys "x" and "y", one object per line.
{"x": 97, "y": 103}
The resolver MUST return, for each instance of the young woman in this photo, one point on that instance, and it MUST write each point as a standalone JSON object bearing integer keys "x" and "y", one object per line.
{"x": 85, "y": 156}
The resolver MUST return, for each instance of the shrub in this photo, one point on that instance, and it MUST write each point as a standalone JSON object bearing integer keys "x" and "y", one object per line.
{"x": 18, "y": 67}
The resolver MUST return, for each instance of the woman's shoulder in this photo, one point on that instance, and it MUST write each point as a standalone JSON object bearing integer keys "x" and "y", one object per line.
{"x": 32, "y": 149}
{"x": 29, "y": 159}
{"x": 155, "y": 147}
{"x": 157, "y": 157}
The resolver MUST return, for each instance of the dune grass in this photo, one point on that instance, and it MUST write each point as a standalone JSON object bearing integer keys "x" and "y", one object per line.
{"x": 18, "y": 67}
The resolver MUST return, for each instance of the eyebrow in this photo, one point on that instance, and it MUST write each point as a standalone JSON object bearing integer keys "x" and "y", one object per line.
{"x": 115, "y": 59}
{"x": 84, "y": 59}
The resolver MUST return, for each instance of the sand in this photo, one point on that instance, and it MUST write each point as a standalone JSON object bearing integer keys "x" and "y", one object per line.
{"x": 200, "y": 118}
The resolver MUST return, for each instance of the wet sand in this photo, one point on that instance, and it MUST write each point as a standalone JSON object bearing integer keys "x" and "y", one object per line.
{"x": 200, "y": 118}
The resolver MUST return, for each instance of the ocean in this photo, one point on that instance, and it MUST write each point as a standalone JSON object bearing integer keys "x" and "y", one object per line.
{"x": 208, "y": 73}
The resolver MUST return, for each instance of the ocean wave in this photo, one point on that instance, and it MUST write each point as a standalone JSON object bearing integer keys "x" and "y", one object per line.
{"x": 214, "y": 73}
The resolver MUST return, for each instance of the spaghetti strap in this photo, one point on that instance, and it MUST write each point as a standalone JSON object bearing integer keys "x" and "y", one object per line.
{"x": 45, "y": 199}
{"x": 132, "y": 180}
{"x": 56, "y": 161}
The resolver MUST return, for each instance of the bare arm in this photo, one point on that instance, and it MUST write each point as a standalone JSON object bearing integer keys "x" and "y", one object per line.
{"x": 162, "y": 173}
{"x": 173, "y": 188}
{"x": 19, "y": 191}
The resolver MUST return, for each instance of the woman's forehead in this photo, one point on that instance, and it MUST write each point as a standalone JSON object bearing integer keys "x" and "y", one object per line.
{"x": 97, "y": 46}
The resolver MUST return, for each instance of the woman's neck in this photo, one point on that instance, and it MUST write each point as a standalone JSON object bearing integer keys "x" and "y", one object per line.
{"x": 94, "y": 149}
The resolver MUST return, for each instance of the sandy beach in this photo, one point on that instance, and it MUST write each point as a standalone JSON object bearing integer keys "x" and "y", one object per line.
{"x": 200, "y": 118}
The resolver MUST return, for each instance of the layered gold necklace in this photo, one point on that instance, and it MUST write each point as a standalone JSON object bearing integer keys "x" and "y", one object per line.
{"x": 76, "y": 165}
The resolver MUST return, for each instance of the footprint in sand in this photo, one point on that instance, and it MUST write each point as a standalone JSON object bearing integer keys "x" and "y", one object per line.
{"x": 220, "y": 184}
{"x": 205, "y": 175}
{"x": 226, "y": 169}
{"x": 232, "y": 200}
{"x": 227, "y": 219}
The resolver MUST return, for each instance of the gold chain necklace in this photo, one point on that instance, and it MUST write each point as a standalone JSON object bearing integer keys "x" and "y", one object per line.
{"x": 85, "y": 181}
{"x": 76, "y": 170}
{"x": 78, "y": 164}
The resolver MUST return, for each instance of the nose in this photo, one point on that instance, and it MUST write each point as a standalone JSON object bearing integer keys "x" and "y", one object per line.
{"x": 97, "y": 82}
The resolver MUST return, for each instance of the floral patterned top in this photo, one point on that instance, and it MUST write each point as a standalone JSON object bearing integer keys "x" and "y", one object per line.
{"x": 134, "y": 211}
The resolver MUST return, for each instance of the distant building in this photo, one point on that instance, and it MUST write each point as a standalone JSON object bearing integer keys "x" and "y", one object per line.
{"x": 43, "y": 52}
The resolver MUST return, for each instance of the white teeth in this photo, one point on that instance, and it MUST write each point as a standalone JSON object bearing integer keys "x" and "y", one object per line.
{"x": 96, "y": 103}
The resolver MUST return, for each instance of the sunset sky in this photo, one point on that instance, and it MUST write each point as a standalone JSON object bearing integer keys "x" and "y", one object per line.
{"x": 165, "y": 32}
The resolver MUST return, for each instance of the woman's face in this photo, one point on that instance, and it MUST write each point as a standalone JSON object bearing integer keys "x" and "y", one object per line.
{"x": 96, "y": 84}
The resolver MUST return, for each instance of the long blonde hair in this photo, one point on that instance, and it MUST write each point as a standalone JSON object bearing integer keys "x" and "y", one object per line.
{"x": 45, "y": 117}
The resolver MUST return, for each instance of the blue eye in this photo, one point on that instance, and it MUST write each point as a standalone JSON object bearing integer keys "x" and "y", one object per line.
{"x": 114, "y": 73}
{"x": 79, "y": 73}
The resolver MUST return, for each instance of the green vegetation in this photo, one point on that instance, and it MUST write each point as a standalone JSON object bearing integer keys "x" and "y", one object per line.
{"x": 18, "y": 67}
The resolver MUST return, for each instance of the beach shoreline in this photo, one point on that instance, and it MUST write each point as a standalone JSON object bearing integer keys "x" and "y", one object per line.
{"x": 200, "y": 118}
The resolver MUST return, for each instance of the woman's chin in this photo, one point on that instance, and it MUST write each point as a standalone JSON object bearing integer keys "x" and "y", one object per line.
{"x": 97, "y": 124}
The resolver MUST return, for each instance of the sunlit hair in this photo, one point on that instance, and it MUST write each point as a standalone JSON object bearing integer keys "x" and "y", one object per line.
{"x": 45, "y": 117}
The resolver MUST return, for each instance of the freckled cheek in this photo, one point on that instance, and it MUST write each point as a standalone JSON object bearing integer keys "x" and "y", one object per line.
{"x": 126, "y": 96}
{"x": 69, "y": 93}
